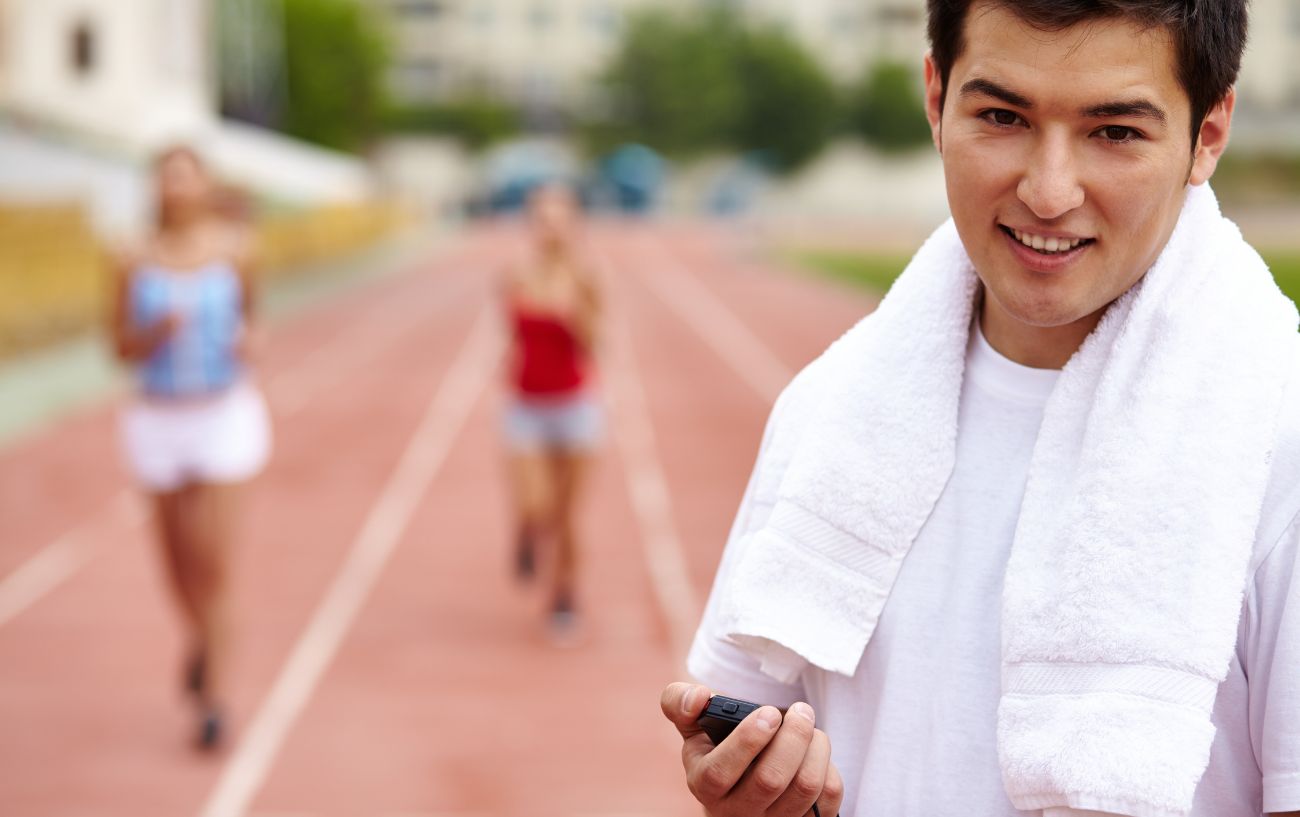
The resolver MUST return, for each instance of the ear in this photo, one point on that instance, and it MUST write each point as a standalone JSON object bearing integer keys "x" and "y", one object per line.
{"x": 1213, "y": 139}
{"x": 933, "y": 97}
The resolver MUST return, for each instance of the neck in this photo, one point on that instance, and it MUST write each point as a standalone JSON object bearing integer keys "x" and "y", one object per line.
{"x": 180, "y": 222}
{"x": 1038, "y": 347}
{"x": 552, "y": 253}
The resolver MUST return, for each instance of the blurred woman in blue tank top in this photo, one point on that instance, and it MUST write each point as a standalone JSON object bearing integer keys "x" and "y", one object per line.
{"x": 197, "y": 427}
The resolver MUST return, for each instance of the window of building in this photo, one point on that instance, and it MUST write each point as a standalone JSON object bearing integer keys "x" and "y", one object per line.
{"x": 418, "y": 8}
{"x": 418, "y": 80}
{"x": 83, "y": 51}
{"x": 541, "y": 16}
{"x": 901, "y": 15}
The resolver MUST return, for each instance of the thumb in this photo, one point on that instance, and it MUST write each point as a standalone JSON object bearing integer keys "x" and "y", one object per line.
{"x": 683, "y": 704}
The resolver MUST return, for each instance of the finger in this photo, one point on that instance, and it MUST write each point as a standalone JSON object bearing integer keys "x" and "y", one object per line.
{"x": 806, "y": 786}
{"x": 770, "y": 775}
{"x": 713, "y": 775}
{"x": 832, "y": 796}
{"x": 683, "y": 704}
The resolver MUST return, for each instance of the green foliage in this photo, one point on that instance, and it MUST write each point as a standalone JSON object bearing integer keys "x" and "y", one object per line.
{"x": 790, "y": 107}
{"x": 334, "y": 58}
{"x": 476, "y": 121}
{"x": 874, "y": 271}
{"x": 1286, "y": 271}
{"x": 686, "y": 85}
{"x": 672, "y": 85}
{"x": 1259, "y": 179}
{"x": 887, "y": 110}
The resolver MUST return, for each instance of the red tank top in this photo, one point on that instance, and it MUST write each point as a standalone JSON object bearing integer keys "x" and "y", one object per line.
{"x": 548, "y": 357}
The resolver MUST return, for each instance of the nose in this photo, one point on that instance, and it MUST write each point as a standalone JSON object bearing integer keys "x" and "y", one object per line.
{"x": 1050, "y": 186}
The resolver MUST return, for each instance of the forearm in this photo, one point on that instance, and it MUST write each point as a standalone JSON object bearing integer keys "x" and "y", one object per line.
{"x": 133, "y": 345}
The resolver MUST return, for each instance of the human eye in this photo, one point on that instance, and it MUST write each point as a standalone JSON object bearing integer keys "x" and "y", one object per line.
{"x": 1000, "y": 117}
{"x": 1119, "y": 134}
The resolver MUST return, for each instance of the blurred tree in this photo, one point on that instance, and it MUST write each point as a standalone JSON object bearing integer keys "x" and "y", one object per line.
{"x": 887, "y": 111}
{"x": 789, "y": 107}
{"x": 688, "y": 84}
{"x": 476, "y": 121}
{"x": 672, "y": 85}
{"x": 334, "y": 56}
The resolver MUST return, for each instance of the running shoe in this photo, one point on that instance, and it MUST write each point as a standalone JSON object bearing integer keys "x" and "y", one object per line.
{"x": 212, "y": 730}
{"x": 564, "y": 624}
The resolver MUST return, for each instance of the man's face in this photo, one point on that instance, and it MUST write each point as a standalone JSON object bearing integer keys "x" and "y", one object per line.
{"x": 1074, "y": 142}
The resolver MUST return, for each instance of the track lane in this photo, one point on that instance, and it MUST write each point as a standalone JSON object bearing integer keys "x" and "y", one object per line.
{"x": 444, "y": 697}
{"x": 87, "y": 674}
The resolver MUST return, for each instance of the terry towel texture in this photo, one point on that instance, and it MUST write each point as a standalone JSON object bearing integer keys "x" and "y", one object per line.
{"x": 1129, "y": 562}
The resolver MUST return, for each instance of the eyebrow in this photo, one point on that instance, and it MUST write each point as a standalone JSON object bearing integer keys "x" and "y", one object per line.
{"x": 1139, "y": 108}
{"x": 988, "y": 87}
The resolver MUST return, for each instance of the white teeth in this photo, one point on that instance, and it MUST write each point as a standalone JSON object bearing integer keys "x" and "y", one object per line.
{"x": 1043, "y": 244}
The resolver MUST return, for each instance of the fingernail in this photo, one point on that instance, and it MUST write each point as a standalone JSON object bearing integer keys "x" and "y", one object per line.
{"x": 768, "y": 718}
{"x": 687, "y": 700}
{"x": 803, "y": 710}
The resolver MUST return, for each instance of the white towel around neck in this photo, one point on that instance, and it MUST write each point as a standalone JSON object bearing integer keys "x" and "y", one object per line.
{"x": 1129, "y": 562}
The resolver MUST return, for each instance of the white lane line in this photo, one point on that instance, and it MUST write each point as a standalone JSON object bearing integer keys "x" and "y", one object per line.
{"x": 713, "y": 321}
{"x": 670, "y": 579}
{"x": 428, "y": 447}
{"x": 57, "y": 561}
{"x": 289, "y": 392}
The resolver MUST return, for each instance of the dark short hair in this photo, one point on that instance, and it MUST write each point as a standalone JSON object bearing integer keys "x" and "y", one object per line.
{"x": 1209, "y": 36}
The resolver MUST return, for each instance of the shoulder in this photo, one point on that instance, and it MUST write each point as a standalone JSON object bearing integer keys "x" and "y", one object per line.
{"x": 125, "y": 257}
{"x": 238, "y": 242}
{"x": 795, "y": 411}
{"x": 813, "y": 383}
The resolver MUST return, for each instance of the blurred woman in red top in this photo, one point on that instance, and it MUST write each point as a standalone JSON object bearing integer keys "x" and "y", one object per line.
{"x": 553, "y": 420}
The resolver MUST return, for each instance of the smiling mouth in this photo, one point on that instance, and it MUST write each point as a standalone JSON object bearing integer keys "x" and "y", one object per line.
{"x": 1044, "y": 245}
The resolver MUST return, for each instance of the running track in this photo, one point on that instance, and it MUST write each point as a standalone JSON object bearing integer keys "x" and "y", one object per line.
{"x": 386, "y": 664}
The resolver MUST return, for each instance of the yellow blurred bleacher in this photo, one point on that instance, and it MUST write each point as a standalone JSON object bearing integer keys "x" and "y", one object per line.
{"x": 53, "y": 273}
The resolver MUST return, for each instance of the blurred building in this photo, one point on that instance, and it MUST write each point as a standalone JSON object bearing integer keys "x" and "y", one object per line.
{"x": 544, "y": 54}
{"x": 125, "y": 71}
{"x": 90, "y": 88}
{"x": 847, "y": 36}
{"x": 540, "y": 54}
{"x": 1270, "y": 74}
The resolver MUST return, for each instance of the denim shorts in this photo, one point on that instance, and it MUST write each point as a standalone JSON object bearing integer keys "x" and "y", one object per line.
{"x": 570, "y": 422}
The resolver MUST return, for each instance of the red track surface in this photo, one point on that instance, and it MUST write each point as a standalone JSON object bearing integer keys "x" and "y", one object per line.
{"x": 441, "y": 695}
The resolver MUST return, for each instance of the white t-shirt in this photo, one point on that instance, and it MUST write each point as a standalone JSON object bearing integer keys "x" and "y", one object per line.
{"x": 914, "y": 730}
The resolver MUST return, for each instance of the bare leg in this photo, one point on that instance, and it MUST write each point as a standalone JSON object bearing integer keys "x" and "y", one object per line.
{"x": 210, "y": 517}
{"x": 168, "y": 516}
{"x": 567, "y": 470}
{"x": 529, "y": 479}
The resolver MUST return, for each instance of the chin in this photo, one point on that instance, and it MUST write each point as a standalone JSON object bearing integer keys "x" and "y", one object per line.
{"x": 1042, "y": 312}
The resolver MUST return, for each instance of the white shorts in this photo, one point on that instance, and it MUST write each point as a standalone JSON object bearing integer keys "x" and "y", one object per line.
{"x": 222, "y": 439}
{"x": 573, "y": 423}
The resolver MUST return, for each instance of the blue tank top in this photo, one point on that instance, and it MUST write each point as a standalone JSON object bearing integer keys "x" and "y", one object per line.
{"x": 200, "y": 357}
